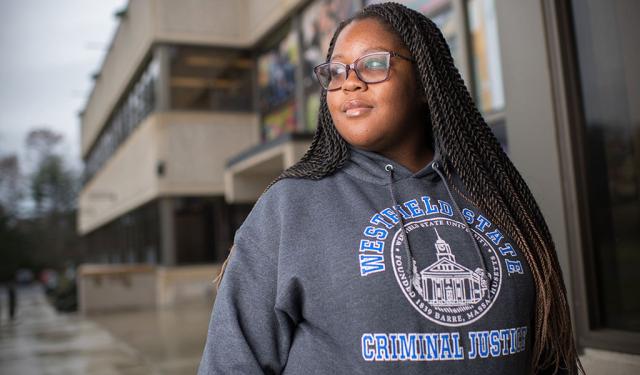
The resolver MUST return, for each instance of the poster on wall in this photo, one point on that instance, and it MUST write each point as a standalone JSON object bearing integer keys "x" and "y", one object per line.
{"x": 276, "y": 73}
{"x": 276, "y": 85}
{"x": 440, "y": 12}
{"x": 319, "y": 21}
{"x": 487, "y": 68}
{"x": 280, "y": 121}
{"x": 423, "y": 6}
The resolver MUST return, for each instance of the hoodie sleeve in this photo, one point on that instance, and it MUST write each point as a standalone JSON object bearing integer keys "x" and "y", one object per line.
{"x": 247, "y": 333}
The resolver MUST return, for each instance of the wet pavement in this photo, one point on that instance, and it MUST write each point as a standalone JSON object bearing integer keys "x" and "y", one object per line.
{"x": 43, "y": 341}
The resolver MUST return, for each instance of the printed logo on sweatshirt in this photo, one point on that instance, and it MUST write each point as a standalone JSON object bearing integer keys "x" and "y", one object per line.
{"x": 447, "y": 291}
{"x": 451, "y": 281}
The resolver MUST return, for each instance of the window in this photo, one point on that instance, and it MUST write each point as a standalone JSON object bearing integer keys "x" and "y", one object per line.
{"x": 608, "y": 54}
{"x": 136, "y": 104}
{"x": 209, "y": 79}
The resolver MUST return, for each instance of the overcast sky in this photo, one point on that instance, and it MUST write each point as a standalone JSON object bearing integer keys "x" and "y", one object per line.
{"x": 48, "y": 52}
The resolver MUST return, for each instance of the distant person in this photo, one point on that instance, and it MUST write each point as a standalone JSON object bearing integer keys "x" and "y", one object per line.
{"x": 13, "y": 301}
{"x": 403, "y": 242}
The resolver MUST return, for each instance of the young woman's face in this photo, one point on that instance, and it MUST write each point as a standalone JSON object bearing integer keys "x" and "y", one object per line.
{"x": 381, "y": 117}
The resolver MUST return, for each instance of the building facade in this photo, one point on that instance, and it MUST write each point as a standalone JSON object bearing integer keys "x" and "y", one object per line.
{"x": 200, "y": 104}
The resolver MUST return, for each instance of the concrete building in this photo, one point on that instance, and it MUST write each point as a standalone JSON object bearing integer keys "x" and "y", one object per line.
{"x": 199, "y": 104}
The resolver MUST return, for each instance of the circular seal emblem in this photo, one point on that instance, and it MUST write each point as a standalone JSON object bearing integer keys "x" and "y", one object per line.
{"x": 450, "y": 286}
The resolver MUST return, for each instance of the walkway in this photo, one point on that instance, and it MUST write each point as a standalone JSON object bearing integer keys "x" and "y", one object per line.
{"x": 42, "y": 341}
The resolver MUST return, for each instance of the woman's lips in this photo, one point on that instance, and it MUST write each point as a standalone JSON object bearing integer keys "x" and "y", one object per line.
{"x": 355, "y": 108}
{"x": 355, "y": 112}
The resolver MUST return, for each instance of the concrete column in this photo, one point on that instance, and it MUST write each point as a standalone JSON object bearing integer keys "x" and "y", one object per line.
{"x": 162, "y": 86}
{"x": 530, "y": 113}
{"x": 168, "y": 254}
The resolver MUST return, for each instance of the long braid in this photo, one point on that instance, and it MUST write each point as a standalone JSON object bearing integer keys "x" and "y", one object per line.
{"x": 469, "y": 149}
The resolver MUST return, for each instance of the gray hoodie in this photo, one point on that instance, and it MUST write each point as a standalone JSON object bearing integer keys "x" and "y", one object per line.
{"x": 372, "y": 270}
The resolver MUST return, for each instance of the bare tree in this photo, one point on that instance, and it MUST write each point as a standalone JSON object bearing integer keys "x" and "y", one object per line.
{"x": 11, "y": 185}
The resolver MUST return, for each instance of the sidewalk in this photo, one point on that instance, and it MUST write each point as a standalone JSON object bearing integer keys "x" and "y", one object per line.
{"x": 42, "y": 341}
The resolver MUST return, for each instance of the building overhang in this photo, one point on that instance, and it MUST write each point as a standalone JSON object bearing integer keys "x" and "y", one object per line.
{"x": 250, "y": 172}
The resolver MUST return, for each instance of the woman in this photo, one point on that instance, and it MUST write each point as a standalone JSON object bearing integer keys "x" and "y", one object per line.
{"x": 404, "y": 241}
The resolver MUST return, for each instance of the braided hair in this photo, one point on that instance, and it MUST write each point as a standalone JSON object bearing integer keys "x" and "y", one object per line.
{"x": 469, "y": 148}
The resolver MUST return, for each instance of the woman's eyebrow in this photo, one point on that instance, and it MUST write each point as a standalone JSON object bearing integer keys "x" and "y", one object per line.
{"x": 370, "y": 49}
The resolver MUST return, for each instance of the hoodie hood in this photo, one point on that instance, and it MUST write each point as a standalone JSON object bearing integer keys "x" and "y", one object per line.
{"x": 372, "y": 167}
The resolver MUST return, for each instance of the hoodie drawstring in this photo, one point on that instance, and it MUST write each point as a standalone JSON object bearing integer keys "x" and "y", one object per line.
{"x": 407, "y": 246}
{"x": 464, "y": 220}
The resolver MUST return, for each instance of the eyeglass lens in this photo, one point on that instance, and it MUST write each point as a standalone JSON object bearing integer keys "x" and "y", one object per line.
{"x": 371, "y": 68}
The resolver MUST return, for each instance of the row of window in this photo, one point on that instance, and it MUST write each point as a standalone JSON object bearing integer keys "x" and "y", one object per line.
{"x": 138, "y": 103}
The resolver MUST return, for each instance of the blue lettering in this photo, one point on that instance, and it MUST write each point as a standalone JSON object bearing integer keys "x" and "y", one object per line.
{"x": 514, "y": 266}
{"x": 507, "y": 250}
{"x": 483, "y": 344}
{"x": 393, "y": 345}
{"x": 457, "y": 354}
{"x": 468, "y": 215}
{"x": 371, "y": 263}
{"x": 445, "y": 346}
{"x": 445, "y": 208}
{"x": 412, "y": 205}
{"x": 402, "y": 211}
{"x": 367, "y": 350}
{"x": 473, "y": 342}
{"x": 377, "y": 246}
{"x": 512, "y": 333}
{"x": 523, "y": 338}
{"x": 374, "y": 232}
{"x": 391, "y": 215}
{"x": 504, "y": 336}
{"x": 381, "y": 347}
{"x": 431, "y": 346}
{"x": 377, "y": 219}
{"x": 420, "y": 343}
{"x": 408, "y": 347}
{"x": 495, "y": 236}
{"x": 431, "y": 208}
{"x": 483, "y": 223}
{"x": 495, "y": 343}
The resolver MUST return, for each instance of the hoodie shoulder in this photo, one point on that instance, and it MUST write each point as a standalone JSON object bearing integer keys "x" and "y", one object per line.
{"x": 269, "y": 215}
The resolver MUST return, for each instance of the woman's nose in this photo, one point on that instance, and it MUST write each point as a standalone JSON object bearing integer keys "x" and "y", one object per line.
{"x": 353, "y": 82}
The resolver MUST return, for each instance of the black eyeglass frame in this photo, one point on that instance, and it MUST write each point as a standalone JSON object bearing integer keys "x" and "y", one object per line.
{"x": 352, "y": 66}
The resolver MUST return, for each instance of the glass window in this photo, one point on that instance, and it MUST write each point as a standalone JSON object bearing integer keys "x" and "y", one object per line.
{"x": 204, "y": 78}
{"x": 132, "y": 237}
{"x": 487, "y": 68}
{"x": 136, "y": 104}
{"x": 608, "y": 51}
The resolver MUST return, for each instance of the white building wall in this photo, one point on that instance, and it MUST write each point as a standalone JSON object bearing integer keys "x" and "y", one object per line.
{"x": 193, "y": 148}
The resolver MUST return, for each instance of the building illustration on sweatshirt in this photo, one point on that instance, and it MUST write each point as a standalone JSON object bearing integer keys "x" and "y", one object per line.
{"x": 461, "y": 281}
{"x": 446, "y": 283}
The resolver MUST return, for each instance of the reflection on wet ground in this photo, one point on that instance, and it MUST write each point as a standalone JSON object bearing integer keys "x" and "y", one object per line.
{"x": 42, "y": 341}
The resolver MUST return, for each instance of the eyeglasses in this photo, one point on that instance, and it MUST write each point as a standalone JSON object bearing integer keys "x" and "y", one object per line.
{"x": 370, "y": 68}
